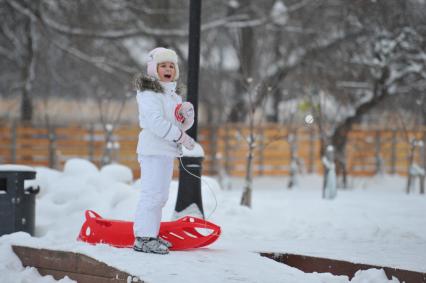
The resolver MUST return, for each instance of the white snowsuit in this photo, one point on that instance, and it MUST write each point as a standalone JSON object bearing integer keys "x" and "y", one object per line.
{"x": 156, "y": 151}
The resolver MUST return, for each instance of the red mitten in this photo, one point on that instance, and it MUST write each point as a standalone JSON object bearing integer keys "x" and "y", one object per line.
{"x": 178, "y": 115}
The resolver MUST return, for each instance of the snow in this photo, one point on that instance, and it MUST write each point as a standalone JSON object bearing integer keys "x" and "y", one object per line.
{"x": 138, "y": 48}
{"x": 374, "y": 222}
{"x": 11, "y": 269}
{"x": 14, "y": 167}
{"x": 118, "y": 173}
{"x": 279, "y": 13}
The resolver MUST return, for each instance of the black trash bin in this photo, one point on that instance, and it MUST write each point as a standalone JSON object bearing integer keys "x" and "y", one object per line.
{"x": 17, "y": 203}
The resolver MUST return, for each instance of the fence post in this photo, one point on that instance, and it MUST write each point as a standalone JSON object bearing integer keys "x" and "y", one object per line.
{"x": 91, "y": 149}
{"x": 294, "y": 164}
{"x": 261, "y": 138}
{"x": 14, "y": 140}
{"x": 226, "y": 148}
{"x": 52, "y": 147}
{"x": 393, "y": 152}
{"x": 213, "y": 140}
{"x": 423, "y": 155}
{"x": 378, "y": 148}
{"x": 311, "y": 151}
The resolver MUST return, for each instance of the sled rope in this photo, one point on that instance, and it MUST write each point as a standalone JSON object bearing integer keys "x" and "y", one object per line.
{"x": 208, "y": 186}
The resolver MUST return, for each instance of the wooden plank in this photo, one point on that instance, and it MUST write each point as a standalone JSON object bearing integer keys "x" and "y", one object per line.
{"x": 340, "y": 267}
{"x": 31, "y": 162}
{"x": 132, "y": 142}
{"x": 276, "y": 162}
{"x": 31, "y": 131}
{"x": 33, "y": 151}
{"x": 76, "y": 266}
{"x": 275, "y": 172}
{"x": 277, "y": 155}
{"x": 80, "y": 278}
{"x": 32, "y": 142}
{"x": 277, "y": 146}
{"x": 127, "y": 132}
{"x": 73, "y": 151}
{"x": 359, "y": 172}
{"x": 72, "y": 143}
{"x": 235, "y": 173}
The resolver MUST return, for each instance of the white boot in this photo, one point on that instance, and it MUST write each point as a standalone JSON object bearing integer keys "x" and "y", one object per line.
{"x": 150, "y": 245}
{"x": 165, "y": 242}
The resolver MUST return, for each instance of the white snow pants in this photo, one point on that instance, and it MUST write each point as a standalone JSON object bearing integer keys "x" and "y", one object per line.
{"x": 156, "y": 175}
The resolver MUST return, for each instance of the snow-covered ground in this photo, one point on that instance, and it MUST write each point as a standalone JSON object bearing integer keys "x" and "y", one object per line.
{"x": 374, "y": 222}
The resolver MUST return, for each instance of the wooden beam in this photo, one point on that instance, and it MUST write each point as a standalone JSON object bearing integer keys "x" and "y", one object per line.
{"x": 76, "y": 266}
{"x": 340, "y": 267}
{"x": 85, "y": 269}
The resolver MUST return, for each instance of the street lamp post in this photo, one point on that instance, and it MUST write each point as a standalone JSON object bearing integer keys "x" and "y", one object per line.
{"x": 189, "y": 200}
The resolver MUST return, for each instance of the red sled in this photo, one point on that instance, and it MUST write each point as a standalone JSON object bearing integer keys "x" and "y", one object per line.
{"x": 185, "y": 233}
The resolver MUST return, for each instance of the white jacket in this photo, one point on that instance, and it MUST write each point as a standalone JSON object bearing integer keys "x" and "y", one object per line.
{"x": 158, "y": 123}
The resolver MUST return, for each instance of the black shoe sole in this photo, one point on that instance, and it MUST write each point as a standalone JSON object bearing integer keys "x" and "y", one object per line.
{"x": 149, "y": 252}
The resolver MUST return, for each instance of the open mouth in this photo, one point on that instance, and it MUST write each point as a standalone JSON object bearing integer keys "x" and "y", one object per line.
{"x": 168, "y": 76}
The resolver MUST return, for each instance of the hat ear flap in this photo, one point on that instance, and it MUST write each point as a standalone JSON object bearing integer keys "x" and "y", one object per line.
{"x": 152, "y": 69}
{"x": 176, "y": 72}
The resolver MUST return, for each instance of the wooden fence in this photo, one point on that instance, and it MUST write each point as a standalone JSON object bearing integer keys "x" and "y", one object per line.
{"x": 225, "y": 148}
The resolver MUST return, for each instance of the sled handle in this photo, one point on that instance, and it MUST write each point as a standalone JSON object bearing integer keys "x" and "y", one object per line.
{"x": 90, "y": 214}
{"x": 200, "y": 223}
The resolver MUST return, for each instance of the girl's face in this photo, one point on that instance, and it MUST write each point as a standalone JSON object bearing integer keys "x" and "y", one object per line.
{"x": 166, "y": 71}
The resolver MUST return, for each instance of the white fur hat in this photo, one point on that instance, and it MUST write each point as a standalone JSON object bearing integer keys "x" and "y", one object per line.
{"x": 160, "y": 55}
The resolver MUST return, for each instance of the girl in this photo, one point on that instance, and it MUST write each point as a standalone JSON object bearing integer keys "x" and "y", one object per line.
{"x": 164, "y": 120}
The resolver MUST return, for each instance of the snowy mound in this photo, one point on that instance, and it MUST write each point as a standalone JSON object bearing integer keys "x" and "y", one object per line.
{"x": 118, "y": 173}
{"x": 80, "y": 167}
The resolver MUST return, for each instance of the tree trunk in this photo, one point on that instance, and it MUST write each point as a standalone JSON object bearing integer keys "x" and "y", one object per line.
{"x": 212, "y": 137}
{"x": 339, "y": 142}
{"x": 26, "y": 107}
{"x": 276, "y": 93}
{"x": 324, "y": 180}
{"x": 380, "y": 170}
{"x": 410, "y": 177}
{"x": 246, "y": 49}
{"x": 294, "y": 162}
{"x": 340, "y": 135}
{"x": 246, "y": 197}
{"x": 28, "y": 75}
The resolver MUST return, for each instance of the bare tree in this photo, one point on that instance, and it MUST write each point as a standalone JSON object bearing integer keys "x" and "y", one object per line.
{"x": 21, "y": 39}
{"x": 416, "y": 145}
{"x": 253, "y": 90}
{"x": 255, "y": 118}
{"x": 110, "y": 111}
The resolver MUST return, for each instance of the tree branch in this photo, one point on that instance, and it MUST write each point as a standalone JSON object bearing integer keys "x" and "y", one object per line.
{"x": 7, "y": 54}
{"x": 102, "y": 63}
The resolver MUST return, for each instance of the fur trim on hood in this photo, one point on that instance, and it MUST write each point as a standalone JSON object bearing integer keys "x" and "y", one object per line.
{"x": 143, "y": 82}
